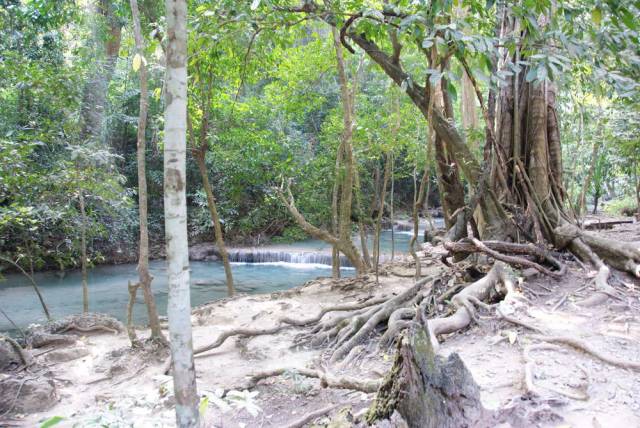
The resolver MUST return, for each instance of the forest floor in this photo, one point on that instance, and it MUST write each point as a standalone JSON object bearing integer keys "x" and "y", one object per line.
{"x": 114, "y": 385}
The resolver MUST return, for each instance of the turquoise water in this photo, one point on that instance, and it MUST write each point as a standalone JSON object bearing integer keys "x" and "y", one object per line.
{"x": 108, "y": 291}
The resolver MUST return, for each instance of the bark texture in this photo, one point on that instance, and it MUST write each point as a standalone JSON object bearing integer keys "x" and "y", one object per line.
{"x": 427, "y": 390}
{"x": 175, "y": 210}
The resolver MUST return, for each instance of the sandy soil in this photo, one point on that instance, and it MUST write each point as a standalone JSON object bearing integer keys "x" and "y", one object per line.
{"x": 115, "y": 386}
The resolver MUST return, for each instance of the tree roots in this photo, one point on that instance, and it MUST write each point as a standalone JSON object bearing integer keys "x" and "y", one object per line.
{"x": 497, "y": 283}
{"x": 327, "y": 380}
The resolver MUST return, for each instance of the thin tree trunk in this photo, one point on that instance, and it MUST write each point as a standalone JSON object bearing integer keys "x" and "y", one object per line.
{"x": 637, "y": 180}
{"x": 376, "y": 238}
{"x": 175, "y": 210}
{"x": 361, "y": 226}
{"x": 587, "y": 179}
{"x": 335, "y": 221}
{"x": 143, "y": 256}
{"x": 347, "y": 132}
{"x": 83, "y": 250}
{"x": 33, "y": 283}
{"x": 395, "y": 130}
{"x": 213, "y": 210}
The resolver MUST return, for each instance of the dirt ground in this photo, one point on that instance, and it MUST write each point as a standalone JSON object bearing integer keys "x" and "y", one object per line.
{"x": 115, "y": 386}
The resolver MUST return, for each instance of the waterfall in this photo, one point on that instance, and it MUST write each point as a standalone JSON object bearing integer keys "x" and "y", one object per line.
{"x": 255, "y": 255}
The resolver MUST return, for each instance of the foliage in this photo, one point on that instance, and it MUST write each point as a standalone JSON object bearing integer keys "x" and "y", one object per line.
{"x": 267, "y": 74}
{"x": 626, "y": 205}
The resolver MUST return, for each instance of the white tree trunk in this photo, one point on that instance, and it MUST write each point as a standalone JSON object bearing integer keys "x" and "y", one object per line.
{"x": 175, "y": 212}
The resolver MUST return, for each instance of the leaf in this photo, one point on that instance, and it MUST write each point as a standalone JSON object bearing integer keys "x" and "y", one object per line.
{"x": 137, "y": 61}
{"x": 372, "y": 13}
{"x": 255, "y": 4}
{"x": 513, "y": 336}
{"x": 204, "y": 404}
{"x": 596, "y": 16}
{"x": 629, "y": 20}
{"x": 51, "y": 421}
{"x": 531, "y": 74}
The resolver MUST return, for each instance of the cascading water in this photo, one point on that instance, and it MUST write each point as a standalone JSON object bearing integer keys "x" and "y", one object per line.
{"x": 256, "y": 255}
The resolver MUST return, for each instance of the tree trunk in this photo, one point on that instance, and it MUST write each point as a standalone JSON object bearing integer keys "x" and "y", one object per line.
{"x": 213, "y": 210}
{"x": 427, "y": 390}
{"x": 106, "y": 50}
{"x": 587, "y": 179}
{"x": 33, "y": 283}
{"x": 83, "y": 251}
{"x": 383, "y": 193}
{"x": 335, "y": 219}
{"x": 175, "y": 211}
{"x": 361, "y": 225}
{"x": 346, "y": 196}
{"x": 143, "y": 256}
{"x": 637, "y": 180}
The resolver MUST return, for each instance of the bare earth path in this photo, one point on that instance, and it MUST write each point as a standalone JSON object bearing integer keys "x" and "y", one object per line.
{"x": 114, "y": 385}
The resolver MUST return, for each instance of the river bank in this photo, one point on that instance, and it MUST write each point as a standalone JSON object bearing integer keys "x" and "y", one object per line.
{"x": 101, "y": 378}
{"x": 256, "y": 270}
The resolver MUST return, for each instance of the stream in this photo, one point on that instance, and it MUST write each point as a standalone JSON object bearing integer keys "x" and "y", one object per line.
{"x": 108, "y": 293}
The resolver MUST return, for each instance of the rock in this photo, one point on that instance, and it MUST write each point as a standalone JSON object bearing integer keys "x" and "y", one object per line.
{"x": 205, "y": 251}
{"x": 36, "y": 395}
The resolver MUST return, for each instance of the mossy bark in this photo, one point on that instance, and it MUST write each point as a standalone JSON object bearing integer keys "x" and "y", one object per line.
{"x": 426, "y": 389}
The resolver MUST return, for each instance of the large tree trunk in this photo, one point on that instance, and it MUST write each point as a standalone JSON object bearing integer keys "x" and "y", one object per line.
{"x": 143, "y": 257}
{"x": 427, "y": 390}
{"x": 175, "y": 211}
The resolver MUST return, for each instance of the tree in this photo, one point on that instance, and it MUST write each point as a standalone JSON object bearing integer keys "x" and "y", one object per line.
{"x": 342, "y": 241}
{"x": 143, "y": 256}
{"x": 175, "y": 208}
{"x": 199, "y": 149}
{"x": 107, "y": 37}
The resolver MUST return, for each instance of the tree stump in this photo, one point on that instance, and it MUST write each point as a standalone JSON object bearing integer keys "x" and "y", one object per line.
{"x": 427, "y": 390}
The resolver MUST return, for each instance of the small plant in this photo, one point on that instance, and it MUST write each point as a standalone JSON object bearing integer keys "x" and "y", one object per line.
{"x": 622, "y": 206}
{"x": 54, "y": 420}
{"x": 244, "y": 400}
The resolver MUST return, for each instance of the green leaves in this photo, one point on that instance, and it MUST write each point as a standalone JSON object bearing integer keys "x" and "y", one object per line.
{"x": 51, "y": 421}
{"x": 596, "y": 16}
{"x": 138, "y": 60}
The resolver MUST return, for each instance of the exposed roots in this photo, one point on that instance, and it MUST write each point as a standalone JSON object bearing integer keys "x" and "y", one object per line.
{"x": 495, "y": 249}
{"x": 284, "y": 323}
{"x": 25, "y": 356}
{"x": 337, "y": 308}
{"x": 587, "y": 348}
{"x": 327, "y": 380}
{"x": 497, "y": 283}
{"x": 361, "y": 326}
{"x": 299, "y": 423}
{"x": 532, "y": 388}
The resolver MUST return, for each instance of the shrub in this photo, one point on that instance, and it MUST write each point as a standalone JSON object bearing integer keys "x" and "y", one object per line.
{"x": 626, "y": 206}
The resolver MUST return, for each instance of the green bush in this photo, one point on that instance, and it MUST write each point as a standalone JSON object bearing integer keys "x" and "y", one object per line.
{"x": 290, "y": 234}
{"x": 622, "y": 206}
